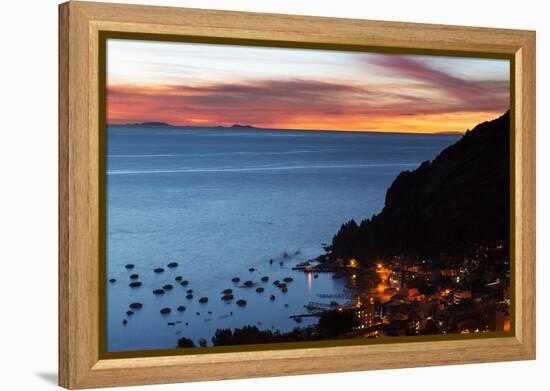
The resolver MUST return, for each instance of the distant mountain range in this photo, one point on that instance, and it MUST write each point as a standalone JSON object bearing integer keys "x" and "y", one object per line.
{"x": 147, "y": 124}
{"x": 165, "y": 124}
{"x": 454, "y": 203}
{"x": 161, "y": 124}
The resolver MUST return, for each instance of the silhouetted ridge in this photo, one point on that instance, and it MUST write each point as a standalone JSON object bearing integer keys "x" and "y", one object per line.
{"x": 154, "y": 124}
{"x": 456, "y": 202}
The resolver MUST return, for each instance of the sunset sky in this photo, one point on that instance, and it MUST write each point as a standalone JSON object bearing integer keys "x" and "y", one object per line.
{"x": 210, "y": 85}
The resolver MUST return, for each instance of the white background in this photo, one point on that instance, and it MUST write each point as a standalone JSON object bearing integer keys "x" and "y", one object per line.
{"x": 28, "y": 193}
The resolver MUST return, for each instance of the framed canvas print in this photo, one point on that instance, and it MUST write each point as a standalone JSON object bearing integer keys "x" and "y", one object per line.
{"x": 299, "y": 194}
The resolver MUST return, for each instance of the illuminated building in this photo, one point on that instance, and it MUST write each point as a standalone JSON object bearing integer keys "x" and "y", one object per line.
{"x": 366, "y": 312}
{"x": 459, "y": 295}
{"x": 352, "y": 263}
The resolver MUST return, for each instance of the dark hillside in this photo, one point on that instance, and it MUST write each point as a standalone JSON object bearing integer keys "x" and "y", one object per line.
{"x": 456, "y": 202}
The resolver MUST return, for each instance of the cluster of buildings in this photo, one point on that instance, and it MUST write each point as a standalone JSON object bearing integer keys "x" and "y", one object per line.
{"x": 417, "y": 296}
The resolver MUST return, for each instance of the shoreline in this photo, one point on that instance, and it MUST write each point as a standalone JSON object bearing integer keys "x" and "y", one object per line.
{"x": 373, "y": 303}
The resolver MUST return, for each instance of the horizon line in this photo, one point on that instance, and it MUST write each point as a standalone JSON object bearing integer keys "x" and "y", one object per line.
{"x": 236, "y": 126}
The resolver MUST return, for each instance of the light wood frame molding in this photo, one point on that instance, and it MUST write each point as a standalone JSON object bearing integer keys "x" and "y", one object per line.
{"x": 80, "y": 365}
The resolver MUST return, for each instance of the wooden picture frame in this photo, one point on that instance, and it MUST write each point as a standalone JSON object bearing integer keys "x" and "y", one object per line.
{"x": 80, "y": 26}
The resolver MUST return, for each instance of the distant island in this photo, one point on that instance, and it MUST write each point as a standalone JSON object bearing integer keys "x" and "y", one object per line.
{"x": 156, "y": 123}
{"x": 244, "y": 126}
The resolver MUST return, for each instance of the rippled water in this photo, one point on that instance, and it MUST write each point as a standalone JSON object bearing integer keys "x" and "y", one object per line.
{"x": 220, "y": 201}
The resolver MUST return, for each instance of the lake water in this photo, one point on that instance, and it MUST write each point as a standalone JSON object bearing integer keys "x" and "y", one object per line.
{"x": 220, "y": 201}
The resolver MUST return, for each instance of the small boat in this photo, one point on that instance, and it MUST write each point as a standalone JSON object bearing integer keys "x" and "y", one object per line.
{"x": 181, "y": 308}
{"x": 112, "y": 280}
{"x": 136, "y": 306}
{"x": 227, "y": 297}
{"x": 265, "y": 279}
{"x": 272, "y": 297}
{"x": 134, "y": 276}
{"x": 285, "y": 290}
{"x": 158, "y": 270}
{"x": 235, "y": 279}
{"x": 189, "y": 290}
{"x": 276, "y": 282}
{"x": 129, "y": 312}
{"x": 241, "y": 302}
{"x": 259, "y": 289}
{"x": 172, "y": 265}
{"x": 189, "y": 296}
{"x": 227, "y": 291}
{"x": 203, "y": 300}
{"x": 248, "y": 284}
{"x": 158, "y": 291}
{"x": 129, "y": 266}
{"x": 251, "y": 270}
{"x": 167, "y": 287}
{"x": 124, "y": 322}
{"x": 165, "y": 310}
{"x": 184, "y": 283}
{"x": 178, "y": 278}
{"x": 288, "y": 279}
{"x": 135, "y": 284}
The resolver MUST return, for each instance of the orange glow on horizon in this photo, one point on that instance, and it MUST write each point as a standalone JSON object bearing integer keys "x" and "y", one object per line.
{"x": 135, "y": 105}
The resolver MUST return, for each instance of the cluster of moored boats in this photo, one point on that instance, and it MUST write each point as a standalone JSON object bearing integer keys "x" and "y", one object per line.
{"x": 227, "y": 295}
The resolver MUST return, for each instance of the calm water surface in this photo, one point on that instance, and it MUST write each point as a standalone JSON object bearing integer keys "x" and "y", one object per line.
{"x": 220, "y": 201}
